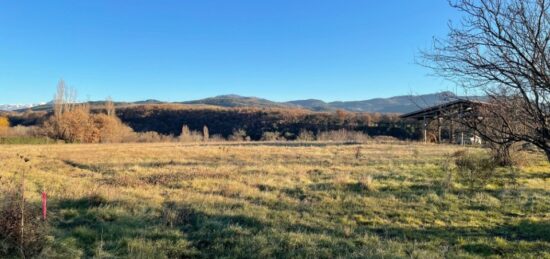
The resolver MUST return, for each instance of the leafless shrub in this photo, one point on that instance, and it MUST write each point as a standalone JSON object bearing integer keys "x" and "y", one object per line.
{"x": 385, "y": 139}
{"x": 238, "y": 135}
{"x": 190, "y": 136}
{"x": 22, "y": 232}
{"x": 344, "y": 136}
{"x": 20, "y": 131}
{"x": 217, "y": 138}
{"x": 305, "y": 135}
{"x": 272, "y": 136}
{"x": 149, "y": 137}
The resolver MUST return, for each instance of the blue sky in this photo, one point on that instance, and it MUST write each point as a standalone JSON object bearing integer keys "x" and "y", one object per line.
{"x": 183, "y": 50}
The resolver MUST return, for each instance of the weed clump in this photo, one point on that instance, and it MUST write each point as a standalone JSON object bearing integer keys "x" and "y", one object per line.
{"x": 367, "y": 184}
{"x": 174, "y": 214}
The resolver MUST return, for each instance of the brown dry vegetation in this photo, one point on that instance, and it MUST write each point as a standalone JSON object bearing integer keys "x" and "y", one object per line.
{"x": 173, "y": 200}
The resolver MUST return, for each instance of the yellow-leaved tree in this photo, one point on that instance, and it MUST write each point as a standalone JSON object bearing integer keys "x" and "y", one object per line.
{"x": 4, "y": 124}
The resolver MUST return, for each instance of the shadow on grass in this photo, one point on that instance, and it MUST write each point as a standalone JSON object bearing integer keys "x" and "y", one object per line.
{"x": 102, "y": 169}
{"x": 94, "y": 220}
{"x": 94, "y": 223}
{"x": 524, "y": 231}
{"x": 542, "y": 176}
{"x": 213, "y": 234}
{"x": 109, "y": 167}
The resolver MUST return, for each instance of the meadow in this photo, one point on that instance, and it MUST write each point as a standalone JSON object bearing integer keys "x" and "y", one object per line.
{"x": 270, "y": 200}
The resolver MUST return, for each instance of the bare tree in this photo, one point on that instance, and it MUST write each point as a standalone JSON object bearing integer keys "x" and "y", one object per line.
{"x": 501, "y": 49}
{"x": 110, "y": 107}
{"x": 185, "y": 133}
{"x": 205, "y": 133}
{"x": 64, "y": 99}
{"x": 59, "y": 98}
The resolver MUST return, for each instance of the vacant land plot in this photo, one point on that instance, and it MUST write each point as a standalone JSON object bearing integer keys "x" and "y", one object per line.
{"x": 174, "y": 200}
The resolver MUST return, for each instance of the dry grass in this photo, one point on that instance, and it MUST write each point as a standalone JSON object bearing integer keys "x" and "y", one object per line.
{"x": 178, "y": 200}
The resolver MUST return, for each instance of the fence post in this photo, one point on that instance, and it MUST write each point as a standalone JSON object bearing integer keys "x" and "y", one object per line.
{"x": 44, "y": 205}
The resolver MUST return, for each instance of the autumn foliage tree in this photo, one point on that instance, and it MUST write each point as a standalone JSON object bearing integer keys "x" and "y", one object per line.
{"x": 74, "y": 122}
{"x": 4, "y": 124}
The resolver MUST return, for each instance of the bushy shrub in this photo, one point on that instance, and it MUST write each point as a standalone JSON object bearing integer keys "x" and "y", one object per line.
{"x": 110, "y": 129}
{"x": 475, "y": 169}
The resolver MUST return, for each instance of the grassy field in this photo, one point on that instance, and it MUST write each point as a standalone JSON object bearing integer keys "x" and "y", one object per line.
{"x": 262, "y": 201}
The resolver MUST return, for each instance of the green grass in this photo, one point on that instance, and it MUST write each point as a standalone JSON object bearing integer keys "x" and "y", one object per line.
{"x": 254, "y": 201}
{"x": 25, "y": 140}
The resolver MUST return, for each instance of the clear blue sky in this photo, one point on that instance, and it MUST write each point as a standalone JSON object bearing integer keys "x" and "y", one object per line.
{"x": 182, "y": 50}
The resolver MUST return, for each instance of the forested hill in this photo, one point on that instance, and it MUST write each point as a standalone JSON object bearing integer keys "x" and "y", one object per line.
{"x": 168, "y": 119}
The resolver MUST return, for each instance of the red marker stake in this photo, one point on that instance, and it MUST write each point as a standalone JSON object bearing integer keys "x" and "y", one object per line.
{"x": 44, "y": 205}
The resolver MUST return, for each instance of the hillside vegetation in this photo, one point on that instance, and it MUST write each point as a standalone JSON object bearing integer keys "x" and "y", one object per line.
{"x": 274, "y": 200}
{"x": 168, "y": 119}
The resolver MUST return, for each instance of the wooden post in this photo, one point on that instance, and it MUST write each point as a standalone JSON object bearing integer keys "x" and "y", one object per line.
{"x": 44, "y": 205}
{"x": 439, "y": 130}
{"x": 452, "y": 132}
{"x": 425, "y": 130}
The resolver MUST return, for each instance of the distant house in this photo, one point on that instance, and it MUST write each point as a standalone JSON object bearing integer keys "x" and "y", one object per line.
{"x": 440, "y": 122}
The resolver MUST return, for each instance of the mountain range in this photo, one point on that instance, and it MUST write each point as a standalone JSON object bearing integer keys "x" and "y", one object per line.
{"x": 396, "y": 104}
{"x": 13, "y": 107}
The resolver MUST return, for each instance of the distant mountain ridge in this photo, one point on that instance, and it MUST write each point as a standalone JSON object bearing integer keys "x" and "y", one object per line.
{"x": 396, "y": 104}
{"x": 233, "y": 100}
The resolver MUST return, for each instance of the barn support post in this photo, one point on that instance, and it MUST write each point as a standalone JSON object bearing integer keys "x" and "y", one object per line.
{"x": 439, "y": 130}
{"x": 448, "y": 112}
{"x": 425, "y": 130}
{"x": 452, "y": 132}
